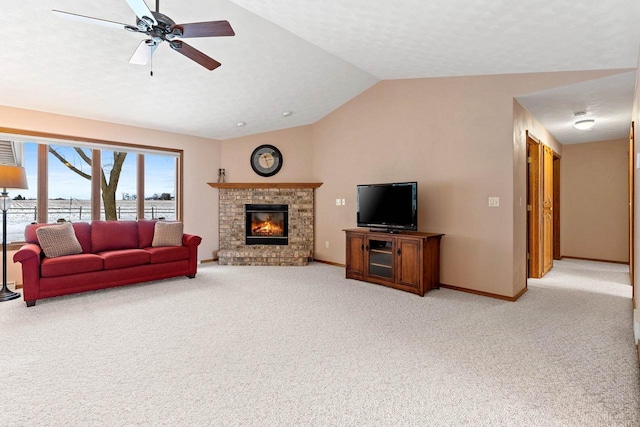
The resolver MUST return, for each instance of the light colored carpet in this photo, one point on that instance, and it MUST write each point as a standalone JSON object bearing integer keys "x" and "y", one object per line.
{"x": 304, "y": 346}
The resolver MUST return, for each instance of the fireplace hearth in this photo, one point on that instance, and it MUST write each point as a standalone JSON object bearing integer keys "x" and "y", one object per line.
{"x": 267, "y": 224}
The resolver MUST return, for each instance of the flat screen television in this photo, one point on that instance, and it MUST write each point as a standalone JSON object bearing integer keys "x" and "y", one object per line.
{"x": 391, "y": 207}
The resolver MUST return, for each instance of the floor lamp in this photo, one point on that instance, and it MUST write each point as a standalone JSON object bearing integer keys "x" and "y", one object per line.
{"x": 10, "y": 177}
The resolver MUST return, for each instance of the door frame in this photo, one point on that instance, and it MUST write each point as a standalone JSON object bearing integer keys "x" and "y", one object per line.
{"x": 556, "y": 206}
{"x": 535, "y": 206}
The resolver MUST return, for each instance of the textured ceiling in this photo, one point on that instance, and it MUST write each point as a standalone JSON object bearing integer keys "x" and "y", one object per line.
{"x": 57, "y": 65}
{"x": 427, "y": 38}
{"x": 303, "y": 56}
{"x": 607, "y": 100}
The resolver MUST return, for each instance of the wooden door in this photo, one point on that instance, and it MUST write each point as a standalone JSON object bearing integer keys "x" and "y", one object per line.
{"x": 534, "y": 207}
{"x": 409, "y": 262}
{"x": 631, "y": 205}
{"x": 547, "y": 211}
{"x": 355, "y": 254}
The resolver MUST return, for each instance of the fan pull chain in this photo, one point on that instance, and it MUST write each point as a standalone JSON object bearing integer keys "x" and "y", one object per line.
{"x": 151, "y": 62}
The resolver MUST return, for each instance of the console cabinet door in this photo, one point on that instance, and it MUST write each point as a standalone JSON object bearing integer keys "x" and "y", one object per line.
{"x": 409, "y": 256}
{"x": 380, "y": 257}
{"x": 355, "y": 255}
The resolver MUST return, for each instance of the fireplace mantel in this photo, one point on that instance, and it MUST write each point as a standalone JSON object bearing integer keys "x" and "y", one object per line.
{"x": 240, "y": 185}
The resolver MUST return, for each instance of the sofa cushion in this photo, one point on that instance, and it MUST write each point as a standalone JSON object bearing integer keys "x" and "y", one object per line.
{"x": 58, "y": 240}
{"x": 71, "y": 264}
{"x": 167, "y": 234}
{"x": 82, "y": 229}
{"x": 145, "y": 232}
{"x": 113, "y": 235}
{"x": 167, "y": 254}
{"x": 124, "y": 258}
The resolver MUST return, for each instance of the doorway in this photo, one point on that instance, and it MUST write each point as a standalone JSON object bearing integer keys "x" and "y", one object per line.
{"x": 543, "y": 207}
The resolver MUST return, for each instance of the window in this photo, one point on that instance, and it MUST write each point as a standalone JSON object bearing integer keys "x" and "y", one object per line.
{"x": 118, "y": 186}
{"x": 24, "y": 203}
{"x": 69, "y": 183}
{"x": 77, "y": 177}
{"x": 160, "y": 187}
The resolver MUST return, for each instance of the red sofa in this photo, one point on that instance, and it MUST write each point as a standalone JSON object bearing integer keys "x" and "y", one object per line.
{"x": 114, "y": 253}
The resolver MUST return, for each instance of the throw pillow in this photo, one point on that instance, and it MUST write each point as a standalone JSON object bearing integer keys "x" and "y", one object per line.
{"x": 167, "y": 234}
{"x": 58, "y": 240}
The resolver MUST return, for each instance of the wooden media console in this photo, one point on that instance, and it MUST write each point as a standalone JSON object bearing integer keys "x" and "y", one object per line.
{"x": 409, "y": 261}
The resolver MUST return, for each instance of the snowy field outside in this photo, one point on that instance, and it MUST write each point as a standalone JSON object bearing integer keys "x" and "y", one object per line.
{"x": 23, "y": 213}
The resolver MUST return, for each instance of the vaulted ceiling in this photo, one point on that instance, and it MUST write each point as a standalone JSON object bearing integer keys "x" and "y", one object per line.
{"x": 308, "y": 58}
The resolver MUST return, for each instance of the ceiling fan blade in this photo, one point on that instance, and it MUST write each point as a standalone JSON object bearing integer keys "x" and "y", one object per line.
{"x": 142, "y": 11}
{"x": 194, "y": 54}
{"x": 206, "y": 29}
{"x": 143, "y": 53}
{"x": 88, "y": 19}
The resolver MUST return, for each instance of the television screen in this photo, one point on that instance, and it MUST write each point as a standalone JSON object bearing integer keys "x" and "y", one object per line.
{"x": 389, "y": 206}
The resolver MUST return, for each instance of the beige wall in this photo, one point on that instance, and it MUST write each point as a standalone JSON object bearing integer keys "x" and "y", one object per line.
{"x": 201, "y": 163}
{"x": 455, "y": 136}
{"x": 294, "y": 144}
{"x": 594, "y": 216}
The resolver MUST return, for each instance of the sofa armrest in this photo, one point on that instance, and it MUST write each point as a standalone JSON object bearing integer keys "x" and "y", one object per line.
{"x": 191, "y": 240}
{"x": 27, "y": 252}
{"x": 29, "y": 255}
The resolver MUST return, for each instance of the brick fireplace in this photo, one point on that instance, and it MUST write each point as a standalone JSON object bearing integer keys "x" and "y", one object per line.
{"x": 237, "y": 247}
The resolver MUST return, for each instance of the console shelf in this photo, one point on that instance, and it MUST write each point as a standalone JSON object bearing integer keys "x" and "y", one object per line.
{"x": 409, "y": 261}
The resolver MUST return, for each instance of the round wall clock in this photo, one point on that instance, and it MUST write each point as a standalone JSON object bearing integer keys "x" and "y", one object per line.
{"x": 266, "y": 160}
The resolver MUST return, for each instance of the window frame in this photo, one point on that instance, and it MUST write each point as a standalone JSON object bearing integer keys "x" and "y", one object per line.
{"x": 44, "y": 139}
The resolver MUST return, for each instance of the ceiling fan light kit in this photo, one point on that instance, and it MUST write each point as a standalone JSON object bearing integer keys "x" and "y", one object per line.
{"x": 160, "y": 28}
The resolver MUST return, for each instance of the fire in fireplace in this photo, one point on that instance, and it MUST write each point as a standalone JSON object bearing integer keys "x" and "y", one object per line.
{"x": 266, "y": 224}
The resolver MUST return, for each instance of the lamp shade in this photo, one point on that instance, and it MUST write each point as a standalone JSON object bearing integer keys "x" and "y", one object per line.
{"x": 13, "y": 177}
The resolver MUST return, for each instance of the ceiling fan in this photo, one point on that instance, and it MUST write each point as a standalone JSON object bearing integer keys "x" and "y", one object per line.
{"x": 160, "y": 28}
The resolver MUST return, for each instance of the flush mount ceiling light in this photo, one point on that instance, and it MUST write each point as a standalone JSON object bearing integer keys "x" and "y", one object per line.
{"x": 581, "y": 122}
{"x": 584, "y": 124}
{"x": 240, "y": 124}
{"x": 287, "y": 113}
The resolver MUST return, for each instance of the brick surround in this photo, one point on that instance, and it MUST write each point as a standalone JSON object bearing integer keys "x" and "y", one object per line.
{"x": 233, "y": 250}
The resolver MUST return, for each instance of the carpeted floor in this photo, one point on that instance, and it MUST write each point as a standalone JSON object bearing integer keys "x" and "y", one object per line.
{"x": 303, "y": 346}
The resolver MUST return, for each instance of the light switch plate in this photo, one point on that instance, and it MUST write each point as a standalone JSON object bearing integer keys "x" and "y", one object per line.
{"x": 337, "y": 202}
{"x": 494, "y": 202}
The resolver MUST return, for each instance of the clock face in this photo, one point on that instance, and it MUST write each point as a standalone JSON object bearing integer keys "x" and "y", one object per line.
{"x": 266, "y": 160}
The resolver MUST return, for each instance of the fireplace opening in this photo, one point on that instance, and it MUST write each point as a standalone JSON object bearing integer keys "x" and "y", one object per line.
{"x": 267, "y": 224}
